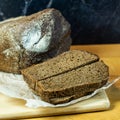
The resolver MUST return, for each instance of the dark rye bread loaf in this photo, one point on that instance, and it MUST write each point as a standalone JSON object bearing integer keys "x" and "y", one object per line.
{"x": 68, "y": 76}
{"x": 28, "y": 40}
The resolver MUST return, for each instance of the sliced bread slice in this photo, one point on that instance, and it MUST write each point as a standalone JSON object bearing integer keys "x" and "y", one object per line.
{"x": 64, "y": 62}
{"x": 73, "y": 84}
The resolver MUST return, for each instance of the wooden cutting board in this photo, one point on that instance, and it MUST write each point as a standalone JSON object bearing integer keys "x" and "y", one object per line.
{"x": 11, "y": 108}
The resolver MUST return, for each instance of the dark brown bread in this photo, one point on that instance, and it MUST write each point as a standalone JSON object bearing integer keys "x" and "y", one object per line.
{"x": 27, "y": 40}
{"x": 73, "y": 84}
{"x": 71, "y": 79}
{"x": 57, "y": 65}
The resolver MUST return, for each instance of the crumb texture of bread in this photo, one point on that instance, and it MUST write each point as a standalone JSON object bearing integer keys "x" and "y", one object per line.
{"x": 68, "y": 76}
{"x": 28, "y": 40}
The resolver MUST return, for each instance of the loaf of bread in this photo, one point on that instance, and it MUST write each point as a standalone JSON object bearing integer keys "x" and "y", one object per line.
{"x": 68, "y": 76}
{"x": 31, "y": 39}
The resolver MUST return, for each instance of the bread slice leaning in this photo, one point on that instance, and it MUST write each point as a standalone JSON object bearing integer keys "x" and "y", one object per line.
{"x": 68, "y": 76}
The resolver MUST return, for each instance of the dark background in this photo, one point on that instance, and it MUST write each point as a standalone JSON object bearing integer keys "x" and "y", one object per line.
{"x": 92, "y": 21}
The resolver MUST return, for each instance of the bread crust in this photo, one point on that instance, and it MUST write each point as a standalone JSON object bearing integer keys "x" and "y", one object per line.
{"x": 31, "y": 39}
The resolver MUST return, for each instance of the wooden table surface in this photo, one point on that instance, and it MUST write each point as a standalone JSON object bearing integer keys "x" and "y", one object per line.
{"x": 110, "y": 54}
